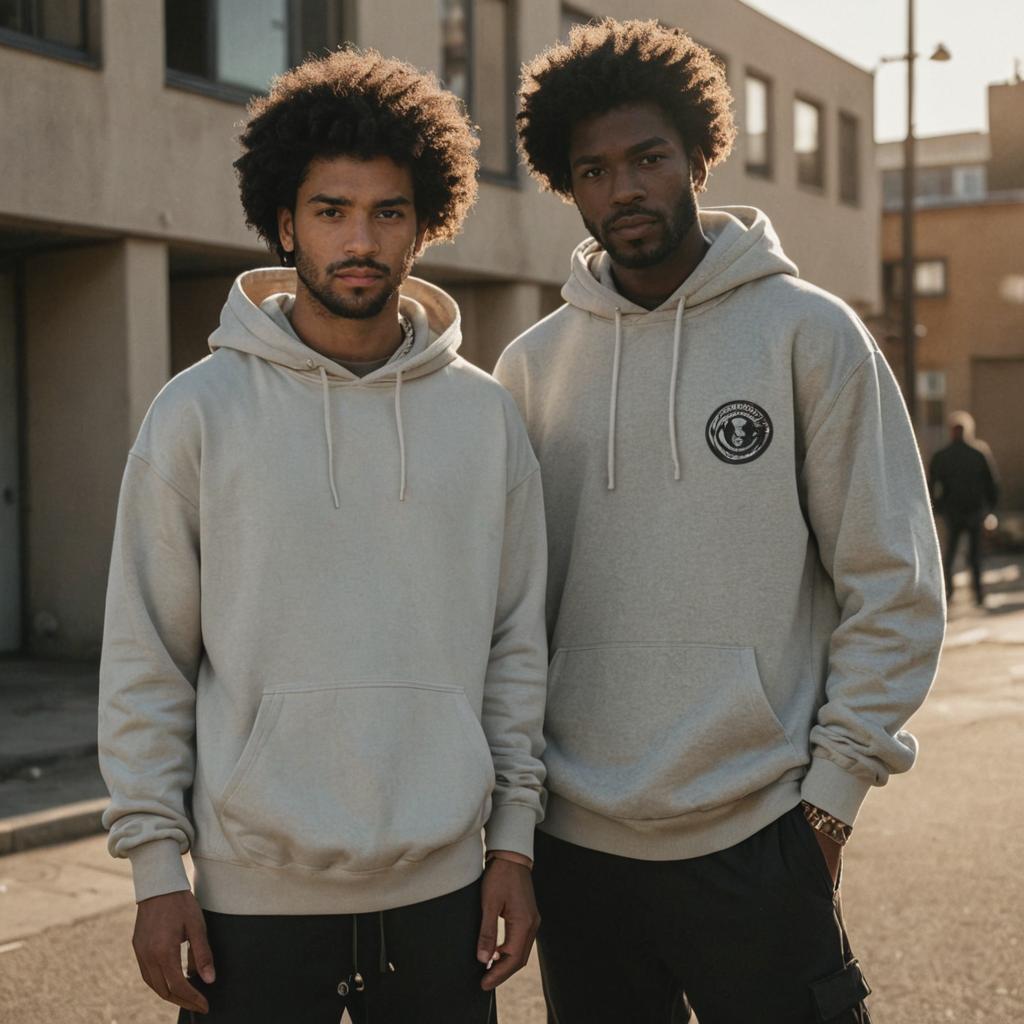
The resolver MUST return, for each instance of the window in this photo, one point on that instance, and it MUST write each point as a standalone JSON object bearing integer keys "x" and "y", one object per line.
{"x": 929, "y": 279}
{"x": 849, "y": 158}
{"x": 59, "y": 28}
{"x": 757, "y": 120}
{"x": 807, "y": 141}
{"x": 232, "y": 48}
{"x": 931, "y": 394}
{"x": 478, "y": 62}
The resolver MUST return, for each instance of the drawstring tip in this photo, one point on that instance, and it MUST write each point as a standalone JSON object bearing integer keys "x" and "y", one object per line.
{"x": 678, "y": 474}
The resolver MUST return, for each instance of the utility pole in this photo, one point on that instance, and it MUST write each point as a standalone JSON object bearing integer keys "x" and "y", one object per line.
{"x": 909, "y": 174}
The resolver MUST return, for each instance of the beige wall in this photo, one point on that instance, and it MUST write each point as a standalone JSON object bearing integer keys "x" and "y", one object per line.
{"x": 982, "y": 315}
{"x": 97, "y": 351}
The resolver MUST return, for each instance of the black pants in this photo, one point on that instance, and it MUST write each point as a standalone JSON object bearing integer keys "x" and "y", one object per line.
{"x": 748, "y": 935}
{"x": 955, "y": 526}
{"x": 301, "y": 969}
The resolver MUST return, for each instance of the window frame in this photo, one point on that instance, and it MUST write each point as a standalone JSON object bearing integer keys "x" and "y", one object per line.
{"x": 767, "y": 169}
{"x": 87, "y": 56}
{"x": 815, "y": 188}
{"x": 510, "y": 175}
{"x": 844, "y": 117}
{"x": 230, "y": 92}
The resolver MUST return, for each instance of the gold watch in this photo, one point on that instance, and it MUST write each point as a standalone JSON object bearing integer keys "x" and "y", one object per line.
{"x": 827, "y": 824}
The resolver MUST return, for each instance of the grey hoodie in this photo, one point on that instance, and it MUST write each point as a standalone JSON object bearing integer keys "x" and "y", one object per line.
{"x": 745, "y": 601}
{"x": 324, "y": 659}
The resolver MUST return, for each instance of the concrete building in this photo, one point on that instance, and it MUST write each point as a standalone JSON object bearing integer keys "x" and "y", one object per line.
{"x": 120, "y": 226}
{"x": 969, "y": 280}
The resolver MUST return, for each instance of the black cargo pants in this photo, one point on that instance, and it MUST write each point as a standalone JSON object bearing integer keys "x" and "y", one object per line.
{"x": 749, "y": 935}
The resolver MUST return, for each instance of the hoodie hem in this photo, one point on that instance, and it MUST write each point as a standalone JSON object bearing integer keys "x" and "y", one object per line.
{"x": 230, "y": 888}
{"x": 682, "y": 838}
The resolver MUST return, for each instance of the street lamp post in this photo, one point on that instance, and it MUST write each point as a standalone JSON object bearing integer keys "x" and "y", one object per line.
{"x": 909, "y": 313}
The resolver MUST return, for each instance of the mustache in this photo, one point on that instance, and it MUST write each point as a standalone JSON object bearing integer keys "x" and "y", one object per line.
{"x": 634, "y": 211}
{"x": 354, "y": 264}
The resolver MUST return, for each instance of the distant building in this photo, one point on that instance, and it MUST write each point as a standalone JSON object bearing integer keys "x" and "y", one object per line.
{"x": 969, "y": 280}
{"x": 121, "y": 230}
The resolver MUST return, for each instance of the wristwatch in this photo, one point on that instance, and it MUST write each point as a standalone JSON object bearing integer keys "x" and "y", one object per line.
{"x": 827, "y": 824}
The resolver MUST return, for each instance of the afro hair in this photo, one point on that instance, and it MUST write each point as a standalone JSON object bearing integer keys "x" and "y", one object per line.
{"x": 610, "y": 64}
{"x": 361, "y": 104}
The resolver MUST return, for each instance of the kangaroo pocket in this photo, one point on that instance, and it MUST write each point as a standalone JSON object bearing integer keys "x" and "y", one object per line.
{"x": 358, "y": 777}
{"x": 643, "y": 731}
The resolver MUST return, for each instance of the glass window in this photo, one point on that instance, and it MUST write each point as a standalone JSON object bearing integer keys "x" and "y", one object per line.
{"x": 810, "y": 154}
{"x": 929, "y": 279}
{"x": 849, "y": 159}
{"x": 63, "y": 22}
{"x": 970, "y": 182}
{"x": 239, "y": 45}
{"x": 757, "y": 120}
{"x": 478, "y": 66}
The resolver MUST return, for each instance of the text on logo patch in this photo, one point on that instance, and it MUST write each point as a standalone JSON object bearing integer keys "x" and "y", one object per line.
{"x": 739, "y": 432}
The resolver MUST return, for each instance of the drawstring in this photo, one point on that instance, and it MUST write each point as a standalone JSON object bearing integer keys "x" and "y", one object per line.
{"x": 672, "y": 432}
{"x": 327, "y": 432}
{"x": 401, "y": 437}
{"x": 386, "y": 966}
{"x": 613, "y": 404}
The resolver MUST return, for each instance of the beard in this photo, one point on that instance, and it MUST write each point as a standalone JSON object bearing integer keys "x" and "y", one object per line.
{"x": 362, "y": 306}
{"x": 639, "y": 254}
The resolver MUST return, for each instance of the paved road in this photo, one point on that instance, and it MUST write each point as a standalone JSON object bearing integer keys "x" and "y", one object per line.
{"x": 933, "y": 890}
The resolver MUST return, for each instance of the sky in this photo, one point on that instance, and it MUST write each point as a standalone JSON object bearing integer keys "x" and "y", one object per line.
{"x": 984, "y": 37}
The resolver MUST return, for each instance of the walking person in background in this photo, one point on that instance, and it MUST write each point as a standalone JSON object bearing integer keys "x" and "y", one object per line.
{"x": 324, "y": 659}
{"x": 965, "y": 489}
{"x": 744, "y": 601}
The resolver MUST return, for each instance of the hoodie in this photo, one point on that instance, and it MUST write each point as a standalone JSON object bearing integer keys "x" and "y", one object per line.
{"x": 744, "y": 599}
{"x": 324, "y": 661}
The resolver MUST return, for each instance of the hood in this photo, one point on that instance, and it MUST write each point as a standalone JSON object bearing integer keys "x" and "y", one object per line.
{"x": 247, "y": 324}
{"x": 744, "y": 248}
{"x": 246, "y": 327}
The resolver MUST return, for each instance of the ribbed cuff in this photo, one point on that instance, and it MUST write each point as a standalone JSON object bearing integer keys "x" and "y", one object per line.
{"x": 157, "y": 868}
{"x": 511, "y": 827}
{"x": 834, "y": 790}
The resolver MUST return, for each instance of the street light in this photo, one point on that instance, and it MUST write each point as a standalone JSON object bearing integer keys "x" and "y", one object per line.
{"x": 909, "y": 315}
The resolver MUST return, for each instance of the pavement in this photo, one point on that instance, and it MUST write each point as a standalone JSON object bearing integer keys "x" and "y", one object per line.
{"x": 932, "y": 891}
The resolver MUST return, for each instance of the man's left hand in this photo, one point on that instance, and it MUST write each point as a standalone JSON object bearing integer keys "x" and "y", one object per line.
{"x": 507, "y": 893}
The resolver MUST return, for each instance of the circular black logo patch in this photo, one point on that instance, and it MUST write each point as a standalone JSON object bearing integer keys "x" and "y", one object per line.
{"x": 739, "y": 432}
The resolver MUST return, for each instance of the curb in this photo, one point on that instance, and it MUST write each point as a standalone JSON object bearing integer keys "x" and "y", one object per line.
{"x": 55, "y": 825}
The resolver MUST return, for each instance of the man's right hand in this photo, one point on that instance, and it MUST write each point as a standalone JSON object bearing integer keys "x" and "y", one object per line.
{"x": 162, "y": 924}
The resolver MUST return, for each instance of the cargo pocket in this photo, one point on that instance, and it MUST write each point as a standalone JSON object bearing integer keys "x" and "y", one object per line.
{"x": 358, "y": 777}
{"x": 642, "y": 731}
{"x": 839, "y": 998}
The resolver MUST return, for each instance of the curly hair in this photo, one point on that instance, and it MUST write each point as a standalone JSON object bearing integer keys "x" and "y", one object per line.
{"x": 610, "y": 64}
{"x": 361, "y": 104}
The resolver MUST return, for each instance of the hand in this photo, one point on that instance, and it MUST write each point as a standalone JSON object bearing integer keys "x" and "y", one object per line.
{"x": 833, "y": 854}
{"x": 507, "y": 892}
{"x": 162, "y": 924}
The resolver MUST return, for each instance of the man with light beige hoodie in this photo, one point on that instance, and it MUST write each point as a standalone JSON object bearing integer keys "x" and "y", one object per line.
{"x": 324, "y": 659}
{"x": 744, "y": 600}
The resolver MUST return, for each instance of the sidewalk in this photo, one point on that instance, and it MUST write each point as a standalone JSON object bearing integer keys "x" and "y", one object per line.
{"x": 50, "y": 786}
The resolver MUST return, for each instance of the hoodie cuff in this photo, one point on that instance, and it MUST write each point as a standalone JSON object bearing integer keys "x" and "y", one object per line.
{"x": 511, "y": 828}
{"x": 157, "y": 868}
{"x": 834, "y": 790}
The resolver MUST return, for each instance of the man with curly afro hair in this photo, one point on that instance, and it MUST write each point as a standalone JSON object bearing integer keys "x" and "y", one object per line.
{"x": 744, "y": 599}
{"x": 324, "y": 660}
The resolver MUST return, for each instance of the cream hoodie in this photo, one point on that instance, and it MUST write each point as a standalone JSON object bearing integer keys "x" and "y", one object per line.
{"x": 324, "y": 659}
{"x": 745, "y": 601}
